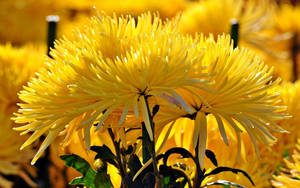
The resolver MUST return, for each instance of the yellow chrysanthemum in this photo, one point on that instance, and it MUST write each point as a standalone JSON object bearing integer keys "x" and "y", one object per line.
{"x": 290, "y": 178}
{"x": 241, "y": 96}
{"x": 287, "y": 18}
{"x": 17, "y": 65}
{"x": 287, "y": 22}
{"x": 109, "y": 69}
{"x": 12, "y": 161}
{"x": 213, "y": 16}
{"x": 289, "y": 94}
{"x": 256, "y": 20}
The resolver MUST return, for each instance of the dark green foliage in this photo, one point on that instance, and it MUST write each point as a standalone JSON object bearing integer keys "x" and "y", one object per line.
{"x": 209, "y": 154}
{"x": 146, "y": 144}
{"x": 105, "y": 154}
{"x": 226, "y": 169}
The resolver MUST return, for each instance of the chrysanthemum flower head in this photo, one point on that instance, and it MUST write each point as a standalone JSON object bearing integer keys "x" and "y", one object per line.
{"x": 289, "y": 94}
{"x": 215, "y": 17}
{"x": 287, "y": 22}
{"x": 17, "y": 65}
{"x": 287, "y": 18}
{"x": 290, "y": 176}
{"x": 241, "y": 96}
{"x": 113, "y": 67}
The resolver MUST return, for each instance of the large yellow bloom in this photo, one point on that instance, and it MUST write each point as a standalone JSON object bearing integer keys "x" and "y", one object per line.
{"x": 290, "y": 178}
{"x": 107, "y": 70}
{"x": 241, "y": 96}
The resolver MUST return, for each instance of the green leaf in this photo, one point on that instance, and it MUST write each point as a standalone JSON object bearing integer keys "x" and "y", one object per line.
{"x": 286, "y": 154}
{"x": 76, "y": 162}
{"x": 100, "y": 180}
{"x": 166, "y": 180}
{"x": 90, "y": 178}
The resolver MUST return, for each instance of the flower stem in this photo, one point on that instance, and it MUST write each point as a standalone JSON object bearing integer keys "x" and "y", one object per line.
{"x": 122, "y": 167}
{"x": 152, "y": 145}
{"x": 199, "y": 174}
{"x": 52, "y": 22}
{"x": 234, "y": 33}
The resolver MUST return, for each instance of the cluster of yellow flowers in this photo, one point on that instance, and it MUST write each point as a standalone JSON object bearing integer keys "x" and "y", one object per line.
{"x": 17, "y": 65}
{"x": 116, "y": 67}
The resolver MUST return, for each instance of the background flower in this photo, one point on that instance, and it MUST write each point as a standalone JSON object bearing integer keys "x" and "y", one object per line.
{"x": 241, "y": 96}
{"x": 289, "y": 177}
